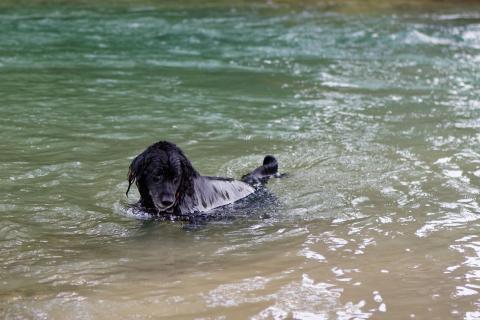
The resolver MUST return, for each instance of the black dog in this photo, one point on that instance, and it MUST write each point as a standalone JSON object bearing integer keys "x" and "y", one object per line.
{"x": 168, "y": 183}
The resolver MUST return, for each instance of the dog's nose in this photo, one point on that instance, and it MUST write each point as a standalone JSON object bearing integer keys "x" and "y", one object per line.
{"x": 166, "y": 203}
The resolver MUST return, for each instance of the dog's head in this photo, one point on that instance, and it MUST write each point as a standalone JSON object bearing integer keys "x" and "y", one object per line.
{"x": 162, "y": 174}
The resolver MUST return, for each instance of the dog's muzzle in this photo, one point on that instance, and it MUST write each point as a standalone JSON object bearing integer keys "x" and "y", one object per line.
{"x": 168, "y": 209}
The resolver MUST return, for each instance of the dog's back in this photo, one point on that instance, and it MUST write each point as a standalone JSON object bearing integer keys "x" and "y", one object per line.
{"x": 214, "y": 192}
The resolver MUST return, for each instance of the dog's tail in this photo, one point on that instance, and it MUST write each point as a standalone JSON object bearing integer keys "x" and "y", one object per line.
{"x": 262, "y": 174}
{"x": 270, "y": 165}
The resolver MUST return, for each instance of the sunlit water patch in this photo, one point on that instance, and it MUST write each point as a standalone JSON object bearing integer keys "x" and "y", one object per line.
{"x": 372, "y": 111}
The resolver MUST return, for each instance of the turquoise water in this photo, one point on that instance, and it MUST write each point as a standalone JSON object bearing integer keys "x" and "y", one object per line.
{"x": 372, "y": 110}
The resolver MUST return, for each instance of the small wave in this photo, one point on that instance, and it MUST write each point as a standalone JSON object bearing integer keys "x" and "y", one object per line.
{"x": 417, "y": 37}
{"x": 46, "y": 170}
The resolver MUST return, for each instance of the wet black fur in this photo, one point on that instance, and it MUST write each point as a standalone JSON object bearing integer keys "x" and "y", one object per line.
{"x": 161, "y": 155}
{"x": 165, "y": 161}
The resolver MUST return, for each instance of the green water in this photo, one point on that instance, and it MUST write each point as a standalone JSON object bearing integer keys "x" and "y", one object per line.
{"x": 373, "y": 110}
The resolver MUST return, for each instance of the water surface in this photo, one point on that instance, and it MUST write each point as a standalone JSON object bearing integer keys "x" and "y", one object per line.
{"x": 372, "y": 110}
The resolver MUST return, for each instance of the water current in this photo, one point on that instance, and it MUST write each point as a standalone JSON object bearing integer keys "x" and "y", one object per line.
{"x": 372, "y": 110}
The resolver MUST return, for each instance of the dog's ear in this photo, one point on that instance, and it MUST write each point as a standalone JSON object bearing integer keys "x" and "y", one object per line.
{"x": 135, "y": 170}
{"x": 188, "y": 174}
{"x": 186, "y": 165}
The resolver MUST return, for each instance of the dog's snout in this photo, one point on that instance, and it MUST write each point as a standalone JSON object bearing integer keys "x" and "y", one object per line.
{"x": 167, "y": 200}
{"x": 167, "y": 203}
